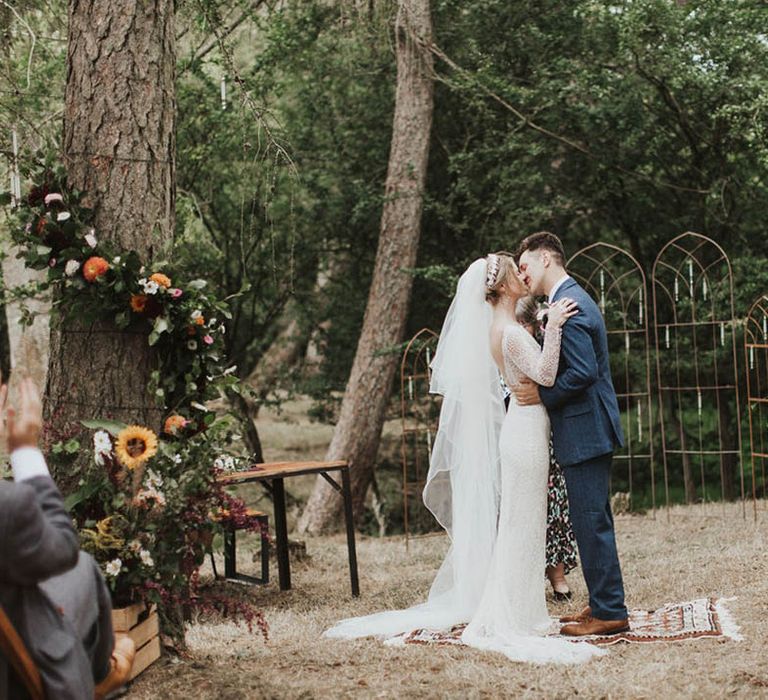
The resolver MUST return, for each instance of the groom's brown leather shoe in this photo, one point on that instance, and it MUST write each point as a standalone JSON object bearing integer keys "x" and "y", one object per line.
{"x": 581, "y": 617}
{"x": 592, "y": 625}
{"x": 121, "y": 664}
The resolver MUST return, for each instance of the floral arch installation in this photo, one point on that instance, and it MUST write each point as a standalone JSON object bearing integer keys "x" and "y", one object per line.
{"x": 419, "y": 412}
{"x": 697, "y": 372}
{"x": 615, "y": 279}
{"x": 756, "y": 371}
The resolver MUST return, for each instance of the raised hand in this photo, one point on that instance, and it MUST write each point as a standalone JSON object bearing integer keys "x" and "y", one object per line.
{"x": 23, "y": 426}
{"x": 559, "y": 312}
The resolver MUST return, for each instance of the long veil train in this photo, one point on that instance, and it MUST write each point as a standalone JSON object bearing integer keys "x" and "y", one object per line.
{"x": 463, "y": 486}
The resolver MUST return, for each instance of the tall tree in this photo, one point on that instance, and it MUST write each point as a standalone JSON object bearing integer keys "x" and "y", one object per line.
{"x": 358, "y": 431}
{"x": 119, "y": 148}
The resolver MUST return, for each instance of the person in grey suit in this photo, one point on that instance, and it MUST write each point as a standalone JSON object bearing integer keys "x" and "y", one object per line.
{"x": 586, "y": 428}
{"x": 53, "y": 594}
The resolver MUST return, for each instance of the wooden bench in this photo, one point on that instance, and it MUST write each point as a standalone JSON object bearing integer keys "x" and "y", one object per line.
{"x": 230, "y": 550}
{"x": 276, "y": 473}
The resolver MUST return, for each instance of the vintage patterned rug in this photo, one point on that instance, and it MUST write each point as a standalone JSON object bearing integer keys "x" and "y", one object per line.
{"x": 705, "y": 617}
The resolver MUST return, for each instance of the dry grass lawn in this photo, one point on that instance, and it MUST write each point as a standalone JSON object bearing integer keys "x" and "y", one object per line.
{"x": 694, "y": 555}
{"x": 701, "y": 551}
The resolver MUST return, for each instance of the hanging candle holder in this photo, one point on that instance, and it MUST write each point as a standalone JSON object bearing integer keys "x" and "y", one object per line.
{"x": 626, "y": 342}
{"x": 752, "y": 357}
{"x": 722, "y": 334}
{"x": 640, "y": 307}
{"x": 690, "y": 276}
{"x": 666, "y": 336}
{"x": 698, "y": 400}
{"x": 410, "y": 388}
{"x": 677, "y": 290}
{"x": 602, "y": 290}
{"x": 223, "y": 92}
{"x": 429, "y": 365}
{"x": 639, "y": 420}
{"x": 704, "y": 288}
{"x": 765, "y": 328}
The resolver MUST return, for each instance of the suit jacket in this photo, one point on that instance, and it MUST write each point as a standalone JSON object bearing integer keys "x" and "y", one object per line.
{"x": 582, "y": 404}
{"x": 37, "y": 541}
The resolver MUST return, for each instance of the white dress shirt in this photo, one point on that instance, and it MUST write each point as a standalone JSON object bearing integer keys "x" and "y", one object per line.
{"x": 557, "y": 286}
{"x": 27, "y": 463}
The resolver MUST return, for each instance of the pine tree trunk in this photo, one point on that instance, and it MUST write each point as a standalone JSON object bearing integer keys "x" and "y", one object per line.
{"x": 119, "y": 148}
{"x": 358, "y": 431}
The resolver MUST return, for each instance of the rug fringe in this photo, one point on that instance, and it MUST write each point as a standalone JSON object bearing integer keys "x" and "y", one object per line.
{"x": 727, "y": 623}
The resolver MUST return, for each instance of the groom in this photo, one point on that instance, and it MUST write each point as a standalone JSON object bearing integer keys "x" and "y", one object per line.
{"x": 584, "y": 414}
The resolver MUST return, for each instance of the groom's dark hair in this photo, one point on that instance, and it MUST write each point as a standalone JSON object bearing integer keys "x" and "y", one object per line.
{"x": 543, "y": 240}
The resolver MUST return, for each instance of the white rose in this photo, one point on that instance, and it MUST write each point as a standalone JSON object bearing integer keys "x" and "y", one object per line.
{"x": 114, "y": 567}
{"x": 90, "y": 238}
{"x": 134, "y": 546}
{"x": 71, "y": 267}
{"x": 196, "y": 314}
{"x": 63, "y": 216}
{"x": 146, "y": 558}
{"x": 102, "y": 444}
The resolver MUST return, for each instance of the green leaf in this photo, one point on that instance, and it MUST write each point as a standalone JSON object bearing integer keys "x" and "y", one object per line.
{"x": 5, "y": 199}
{"x": 72, "y": 446}
{"x": 113, "y": 427}
{"x": 82, "y": 494}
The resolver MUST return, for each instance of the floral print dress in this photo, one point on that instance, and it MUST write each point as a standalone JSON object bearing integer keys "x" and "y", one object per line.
{"x": 561, "y": 543}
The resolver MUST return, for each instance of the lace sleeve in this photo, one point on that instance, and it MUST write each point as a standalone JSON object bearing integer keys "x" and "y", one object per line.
{"x": 538, "y": 364}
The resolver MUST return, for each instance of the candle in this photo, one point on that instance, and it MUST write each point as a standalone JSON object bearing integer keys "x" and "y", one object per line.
{"x": 626, "y": 342}
{"x": 722, "y": 334}
{"x": 677, "y": 290}
{"x": 690, "y": 275}
{"x": 223, "y": 92}
{"x": 752, "y": 358}
{"x": 704, "y": 288}
{"x": 410, "y": 388}
{"x": 640, "y": 420}
{"x": 602, "y": 290}
{"x": 698, "y": 399}
{"x": 640, "y": 307}
{"x": 666, "y": 336}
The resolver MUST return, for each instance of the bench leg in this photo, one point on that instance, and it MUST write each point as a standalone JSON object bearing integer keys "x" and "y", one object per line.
{"x": 264, "y": 549}
{"x": 230, "y": 553}
{"x": 281, "y": 535}
{"x": 350, "y": 521}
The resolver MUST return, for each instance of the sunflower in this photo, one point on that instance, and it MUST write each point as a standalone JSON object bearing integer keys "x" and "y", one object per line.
{"x": 135, "y": 445}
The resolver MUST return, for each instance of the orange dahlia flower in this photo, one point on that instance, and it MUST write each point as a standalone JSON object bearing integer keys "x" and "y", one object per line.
{"x": 200, "y": 321}
{"x": 94, "y": 268}
{"x": 161, "y": 279}
{"x": 174, "y": 423}
{"x": 139, "y": 302}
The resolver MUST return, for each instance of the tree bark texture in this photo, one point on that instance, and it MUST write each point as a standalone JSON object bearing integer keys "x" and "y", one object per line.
{"x": 358, "y": 431}
{"x": 119, "y": 148}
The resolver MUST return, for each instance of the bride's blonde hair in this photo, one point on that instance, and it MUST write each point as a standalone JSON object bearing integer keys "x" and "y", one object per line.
{"x": 500, "y": 266}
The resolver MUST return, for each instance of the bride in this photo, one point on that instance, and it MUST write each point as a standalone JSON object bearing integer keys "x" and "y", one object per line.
{"x": 487, "y": 482}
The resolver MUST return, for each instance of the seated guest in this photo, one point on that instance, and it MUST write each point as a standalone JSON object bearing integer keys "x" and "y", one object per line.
{"x": 53, "y": 594}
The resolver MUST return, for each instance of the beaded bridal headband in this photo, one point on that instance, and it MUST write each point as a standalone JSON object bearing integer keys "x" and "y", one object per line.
{"x": 493, "y": 270}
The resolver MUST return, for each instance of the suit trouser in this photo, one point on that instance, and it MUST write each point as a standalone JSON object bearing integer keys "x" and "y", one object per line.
{"x": 588, "y": 485}
{"x": 82, "y": 595}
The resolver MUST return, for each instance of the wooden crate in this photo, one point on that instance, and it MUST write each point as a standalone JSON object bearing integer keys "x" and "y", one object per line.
{"x": 143, "y": 627}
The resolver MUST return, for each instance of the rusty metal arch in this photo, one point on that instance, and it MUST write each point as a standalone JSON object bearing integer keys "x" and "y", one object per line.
{"x": 693, "y": 307}
{"x": 756, "y": 373}
{"x": 419, "y": 411}
{"x": 616, "y": 280}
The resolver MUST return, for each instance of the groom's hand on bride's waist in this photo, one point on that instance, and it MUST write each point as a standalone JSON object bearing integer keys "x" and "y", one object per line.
{"x": 527, "y": 393}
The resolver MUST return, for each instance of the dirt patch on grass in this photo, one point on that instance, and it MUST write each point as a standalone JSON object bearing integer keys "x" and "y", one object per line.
{"x": 700, "y": 551}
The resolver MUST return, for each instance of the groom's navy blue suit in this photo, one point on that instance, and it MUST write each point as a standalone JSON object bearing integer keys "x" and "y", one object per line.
{"x": 586, "y": 428}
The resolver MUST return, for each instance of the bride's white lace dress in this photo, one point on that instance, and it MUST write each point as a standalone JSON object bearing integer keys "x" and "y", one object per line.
{"x": 488, "y": 488}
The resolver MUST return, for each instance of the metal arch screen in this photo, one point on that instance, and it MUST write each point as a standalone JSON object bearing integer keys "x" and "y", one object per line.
{"x": 615, "y": 279}
{"x": 697, "y": 371}
{"x": 756, "y": 372}
{"x": 419, "y": 412}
